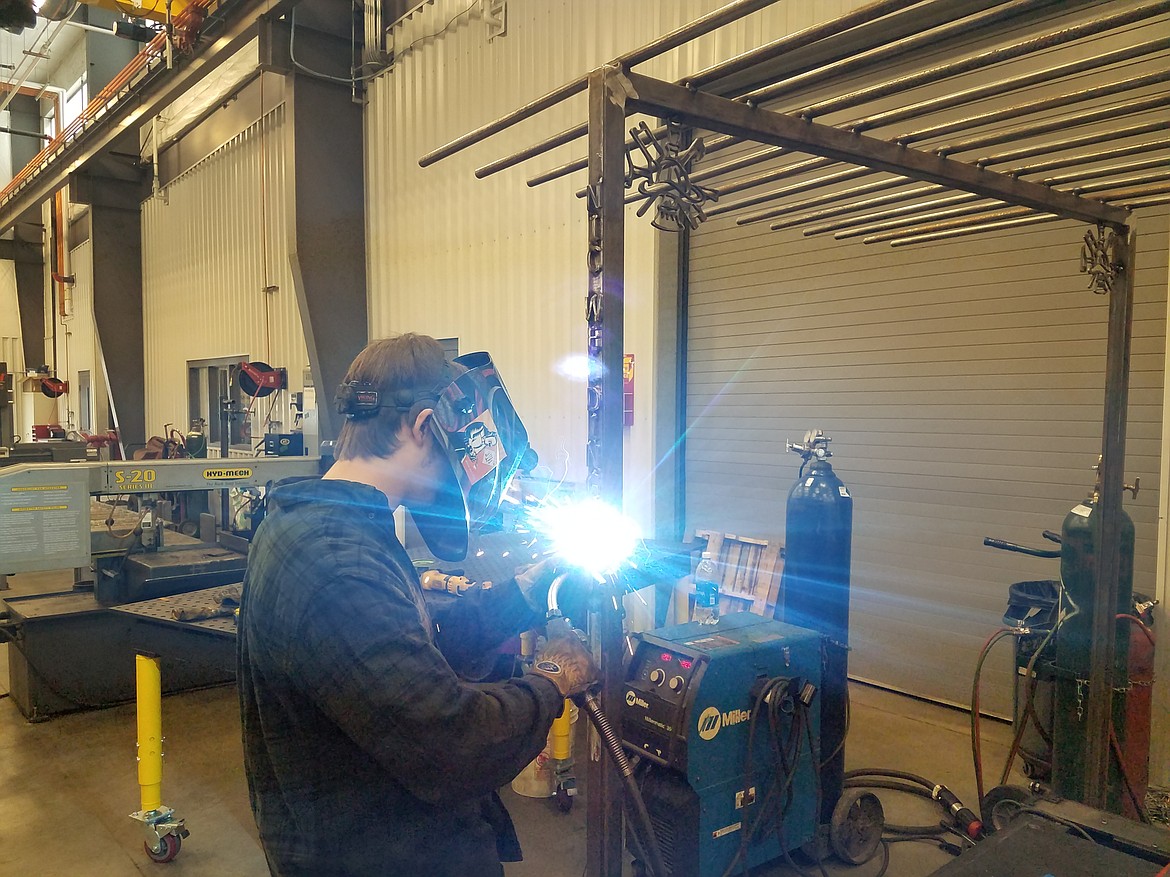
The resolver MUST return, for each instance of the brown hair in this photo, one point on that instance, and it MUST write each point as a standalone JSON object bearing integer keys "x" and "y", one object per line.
{"x": 410, "y": 362}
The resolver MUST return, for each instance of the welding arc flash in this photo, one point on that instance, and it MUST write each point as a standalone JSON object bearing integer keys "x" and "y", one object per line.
{"x": 590, "y": 535}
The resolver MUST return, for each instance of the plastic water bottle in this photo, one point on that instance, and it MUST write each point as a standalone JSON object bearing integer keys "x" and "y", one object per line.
{"x": 706, "y": 591}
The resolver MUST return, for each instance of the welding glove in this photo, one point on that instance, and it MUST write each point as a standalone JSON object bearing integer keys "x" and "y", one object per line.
{"x": 535, "y": 580}
{"x": 567, "y": 662}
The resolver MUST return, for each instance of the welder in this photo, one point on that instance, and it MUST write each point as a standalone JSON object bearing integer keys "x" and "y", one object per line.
{"x": 365, "y": 751}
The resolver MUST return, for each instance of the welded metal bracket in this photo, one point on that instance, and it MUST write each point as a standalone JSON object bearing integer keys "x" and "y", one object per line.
{"x": 664, "y": 176}
{"x": 1096, "y": 260}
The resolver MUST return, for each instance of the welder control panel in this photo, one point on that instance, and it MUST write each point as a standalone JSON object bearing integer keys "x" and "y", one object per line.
{"x": 659, "y": 678}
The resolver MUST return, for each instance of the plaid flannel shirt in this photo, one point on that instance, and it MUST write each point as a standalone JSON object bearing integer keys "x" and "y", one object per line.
{"x": 365, "y": 752}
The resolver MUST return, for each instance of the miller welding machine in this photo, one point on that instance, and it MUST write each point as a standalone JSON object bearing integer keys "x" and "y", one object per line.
{"x": 722, "y": 719}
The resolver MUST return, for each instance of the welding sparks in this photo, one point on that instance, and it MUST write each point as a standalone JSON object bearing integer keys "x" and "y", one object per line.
{"x": 590, "y": 535}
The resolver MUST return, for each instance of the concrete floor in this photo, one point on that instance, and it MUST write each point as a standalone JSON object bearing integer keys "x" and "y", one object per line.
{"x": 67, "y": 785}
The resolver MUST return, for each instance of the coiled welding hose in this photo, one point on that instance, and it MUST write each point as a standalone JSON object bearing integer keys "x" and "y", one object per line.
{"x": 968, "y": 825}
{"x": 643, "y": 828}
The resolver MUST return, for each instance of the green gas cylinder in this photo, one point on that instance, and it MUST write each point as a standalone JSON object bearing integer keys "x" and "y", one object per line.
{"x": 1080, "y": 536}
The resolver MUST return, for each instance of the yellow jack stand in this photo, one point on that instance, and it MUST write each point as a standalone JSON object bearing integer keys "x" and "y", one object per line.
{"x": 562, "y": 758}
{"x": 164, "y": 832}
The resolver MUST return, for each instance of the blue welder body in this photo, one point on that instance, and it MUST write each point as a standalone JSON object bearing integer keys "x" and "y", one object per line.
{"x": 690, "y": 696}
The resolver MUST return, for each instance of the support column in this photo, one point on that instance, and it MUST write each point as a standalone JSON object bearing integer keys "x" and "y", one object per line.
{"x": 27, "y": 250}
{"x": 116, "y": 243}
{"x": 326, "y": 204}
{"x": 605, "y": 311}
{"x": 1103, "y": 653}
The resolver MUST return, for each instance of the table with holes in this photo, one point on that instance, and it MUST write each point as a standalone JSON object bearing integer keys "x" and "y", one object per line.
{"x": 160, "y": 633}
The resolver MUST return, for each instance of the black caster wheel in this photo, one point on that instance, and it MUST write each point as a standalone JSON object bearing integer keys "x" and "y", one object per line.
{"x": 564, "y": 801}
{"x": 855, "y": 828}
{"x": 995, "y": 816}
{"x": 169, "y": 848}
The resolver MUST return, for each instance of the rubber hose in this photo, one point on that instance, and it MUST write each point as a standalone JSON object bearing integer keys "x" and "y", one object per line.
{"x": 648, "y": 840}
{"x": 893, "y": 774}
{"x": 935, "y": 829}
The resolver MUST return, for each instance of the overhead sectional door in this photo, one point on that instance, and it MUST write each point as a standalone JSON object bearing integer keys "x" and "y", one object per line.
{"x": 962, "y": 383}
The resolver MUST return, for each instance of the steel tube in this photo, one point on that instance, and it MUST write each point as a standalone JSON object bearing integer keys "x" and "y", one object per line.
{"x": 965, "y": 28}
{"x": 1005, "y": 86}
{"x": 1103, "y": 650}
{"x": 1090, "y": 139}
{"x": 907, "y": 215}
{"x": 816, "y": 183}
{"x": 987, "y": 58}
{"x": 1035, "y": 219}
{"x": 684, "y": 34}
{"x": 783, "y": 173}
{"x": 1105, "y": 114}
{"x": 1027, "y": 109}
{"x": 1054, "y": 164}
{"x": 1150, "y": 184}
{"x": 1150, "y": 201}
{"x": 839, "y": 209}
{"x": 987, "y": 215}
{"x": 738, "y": 64}
{"x": 605, "y": 310}
{"x": 866, "y": 221}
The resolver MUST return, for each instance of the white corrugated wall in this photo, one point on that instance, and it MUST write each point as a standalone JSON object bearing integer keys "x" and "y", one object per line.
{"x": 494, "y": 263}
{"x": 962, "y": 383}
{"x": 211, "y": 243}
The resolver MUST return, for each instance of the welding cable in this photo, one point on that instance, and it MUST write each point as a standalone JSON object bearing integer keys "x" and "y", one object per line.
{"x": 1029, "y": 702}
{"x": 784, "y": 791}
{"x": 976, "y": 745}
{"x": 845, "y": 731}
{"x": 932, "y": 829}
{"x": 1130, "y": 788}
{"x": 613, "y": 744}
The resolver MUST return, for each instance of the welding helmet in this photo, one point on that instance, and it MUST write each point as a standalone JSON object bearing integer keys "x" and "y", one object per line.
{"x": 484, "y": 443}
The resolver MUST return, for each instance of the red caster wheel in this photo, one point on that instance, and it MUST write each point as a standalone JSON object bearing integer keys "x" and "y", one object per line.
{"x": 168, "y": 849}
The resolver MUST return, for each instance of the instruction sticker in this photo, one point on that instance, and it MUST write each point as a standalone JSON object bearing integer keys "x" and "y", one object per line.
{"x": 728, "y": 829}
{"x": 843, "y": 490}
{"x": 1083, "y": 510}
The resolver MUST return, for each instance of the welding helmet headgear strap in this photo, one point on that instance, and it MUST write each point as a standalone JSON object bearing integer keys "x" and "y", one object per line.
{"x": 360, "y": 400}
{"x": 484, "y": 442}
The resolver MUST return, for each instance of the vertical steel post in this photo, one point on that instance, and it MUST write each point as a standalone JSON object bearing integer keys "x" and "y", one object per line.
{"x": 604, "y": 311}
{"x": 1103, "y": 652}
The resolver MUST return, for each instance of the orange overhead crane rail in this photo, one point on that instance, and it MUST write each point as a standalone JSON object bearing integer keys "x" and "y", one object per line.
{"x": 145, "y": 62}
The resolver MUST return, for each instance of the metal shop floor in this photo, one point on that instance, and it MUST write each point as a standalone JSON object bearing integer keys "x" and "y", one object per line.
{"x": 67, "y": 785}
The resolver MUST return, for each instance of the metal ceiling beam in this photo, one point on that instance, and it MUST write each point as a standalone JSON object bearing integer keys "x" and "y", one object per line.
{"x": 151, "y": 97}
{"x": 729, "y": 117}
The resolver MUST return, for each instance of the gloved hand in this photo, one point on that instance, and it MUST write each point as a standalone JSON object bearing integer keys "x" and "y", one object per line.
{"x": 535, "y": 580}
{"x": 567, "y": 662}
